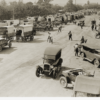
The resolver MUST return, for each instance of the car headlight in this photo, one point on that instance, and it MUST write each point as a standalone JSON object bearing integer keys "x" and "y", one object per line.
{"x": 51, "y": 67}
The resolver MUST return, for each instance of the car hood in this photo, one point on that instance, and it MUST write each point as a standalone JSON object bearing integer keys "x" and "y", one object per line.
{"x": 65, "y": 73}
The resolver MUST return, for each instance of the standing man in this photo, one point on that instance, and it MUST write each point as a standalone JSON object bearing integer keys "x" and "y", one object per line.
{"x": 92, "y": 27}
{"x": 95, "y": 27}
{"x": 49, "y": 37}
{"x": 60, "y": 29}
{"x": 82, "y": 40}
{"x": 81, "y": 26}
{"x": 70, "y": 35}
{"x": 76, "y": 49}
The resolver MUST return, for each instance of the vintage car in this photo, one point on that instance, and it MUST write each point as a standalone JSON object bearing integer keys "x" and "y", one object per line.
{"x": 43, "y": 26}
{"x": 7, "y": 32}
{"x": 69, "y": 76}
{"x": 91, "y": 52}
{"x": 25, "y": 32}
{"x": 62, "y": 19}
{"x": 52, "y": 62}
{"x": 4, "y": 42}
{"x": 81, "y": 23}
{"x": 87, "y": 87}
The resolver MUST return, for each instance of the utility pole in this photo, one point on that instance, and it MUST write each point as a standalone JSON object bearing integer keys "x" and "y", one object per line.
{"x": 13, "y": 13}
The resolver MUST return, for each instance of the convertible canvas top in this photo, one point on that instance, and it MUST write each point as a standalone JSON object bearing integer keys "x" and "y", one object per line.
{"x": 92, "y": 46}
{"x": 86, "y": 84}
{"x": 52, "y": 53}
{"x": 25, "y": 28}
{"x": 9, "y": 29}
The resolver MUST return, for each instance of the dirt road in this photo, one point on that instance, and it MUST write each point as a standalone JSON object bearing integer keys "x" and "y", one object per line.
{"x": 18, "y": 64}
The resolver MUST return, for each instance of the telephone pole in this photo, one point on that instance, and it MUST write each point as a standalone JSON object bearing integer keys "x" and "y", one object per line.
{"x": 13, "y": 14}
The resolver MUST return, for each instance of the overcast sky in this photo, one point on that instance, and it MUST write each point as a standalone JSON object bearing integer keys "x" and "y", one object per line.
{"x": 61, "y": 2}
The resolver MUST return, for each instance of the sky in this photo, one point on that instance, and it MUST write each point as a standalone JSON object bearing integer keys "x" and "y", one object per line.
{"x": 61, "y": 2}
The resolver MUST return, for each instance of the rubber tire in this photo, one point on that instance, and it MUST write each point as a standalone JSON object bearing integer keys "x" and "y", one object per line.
{"x": 10, "y": 44}
{"x": 64, "y": 79}
{"x": 98, "y": 63}
{"x": 0, "y": 48}
{"x": 37, "y": 72}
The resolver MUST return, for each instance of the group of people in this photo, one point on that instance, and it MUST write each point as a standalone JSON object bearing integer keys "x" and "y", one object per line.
{"x": 77, "y": 47}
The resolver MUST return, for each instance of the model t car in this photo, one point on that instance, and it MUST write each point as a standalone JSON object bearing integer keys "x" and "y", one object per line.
{"x": 52, "y": 62}
{"x": 43, "y": 26}
{"x": 25, "y": 32}
{"x": 91, "y": 52}
{"x": 4, "y": 42}
{"x": 81, "y": 23}
{"x": 69, "y": 76}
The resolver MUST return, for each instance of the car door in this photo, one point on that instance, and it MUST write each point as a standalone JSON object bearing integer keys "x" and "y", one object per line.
{"x": 91, "y": 54}
{"x": 85, "y": 50}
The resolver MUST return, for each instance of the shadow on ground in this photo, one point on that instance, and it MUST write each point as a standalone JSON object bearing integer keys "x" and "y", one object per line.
{"x": 8, "y": 50}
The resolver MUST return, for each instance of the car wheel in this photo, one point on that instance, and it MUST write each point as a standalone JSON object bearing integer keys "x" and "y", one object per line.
{"x": 38, "y": 71}
{"x": 96, "y": 63}
{"x": 83, "y": 56}
{"x": 63, "y": 81}
{"x": 0, "y": 48}
{"x": 10, "y": 44}
{"x": 54, "y": 74}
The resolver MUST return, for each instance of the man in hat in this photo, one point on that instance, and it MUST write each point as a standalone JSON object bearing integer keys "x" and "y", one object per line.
{"x": 70, "y": 35}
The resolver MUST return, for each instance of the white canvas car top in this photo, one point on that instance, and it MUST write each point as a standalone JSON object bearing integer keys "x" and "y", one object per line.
{"x": 26, "y": 28}
{"x": 10, "y": 29}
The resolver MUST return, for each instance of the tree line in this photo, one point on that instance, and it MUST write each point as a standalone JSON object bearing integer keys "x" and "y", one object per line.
{"x": 18, "y": 10}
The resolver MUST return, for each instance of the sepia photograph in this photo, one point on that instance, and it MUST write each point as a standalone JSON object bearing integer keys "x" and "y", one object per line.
{"x": 50, "y": 48}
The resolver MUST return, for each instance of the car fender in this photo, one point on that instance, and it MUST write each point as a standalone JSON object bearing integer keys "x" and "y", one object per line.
{"x": 61, "y": 75}
{"x": 39, "y": 66}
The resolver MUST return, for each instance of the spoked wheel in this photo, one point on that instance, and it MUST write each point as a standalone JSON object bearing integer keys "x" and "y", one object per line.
{"x": 96, "y": 63}
{"x": 63, "y": 81}
{"x": 38, "y": 71}
{"x": 0, "y": 48}
{"x": 54, "y": 74}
